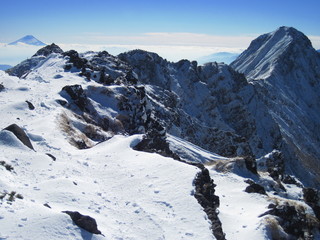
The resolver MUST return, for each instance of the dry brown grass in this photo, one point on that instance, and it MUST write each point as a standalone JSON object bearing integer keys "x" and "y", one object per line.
{"x": 73, "y": 135}
{"x": 274, "y": 228}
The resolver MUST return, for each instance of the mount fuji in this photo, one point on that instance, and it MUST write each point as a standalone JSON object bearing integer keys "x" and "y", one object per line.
{"x": 28, "y": 39}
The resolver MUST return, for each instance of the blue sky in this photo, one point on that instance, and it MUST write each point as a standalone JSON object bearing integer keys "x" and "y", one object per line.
{"x": 142, "y": 22}
{"x": 63, "y": 20}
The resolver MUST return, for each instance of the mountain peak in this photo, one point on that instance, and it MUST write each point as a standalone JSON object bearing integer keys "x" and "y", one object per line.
{"x": 47, "y": 50}
{"x": 293, "y": 33}
{"x": 28, "y": 39}
{"x": 265, "y": 52}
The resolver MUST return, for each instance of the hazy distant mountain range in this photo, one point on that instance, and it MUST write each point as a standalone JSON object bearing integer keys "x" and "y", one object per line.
{"x": 225, "y": 57}
{"x": 4, "y": 66}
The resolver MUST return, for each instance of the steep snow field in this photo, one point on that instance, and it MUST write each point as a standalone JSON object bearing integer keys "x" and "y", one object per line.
{"x": 132, "y": 195}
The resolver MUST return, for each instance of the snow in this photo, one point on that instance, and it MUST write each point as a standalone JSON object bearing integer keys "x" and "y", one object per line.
{"x": 132, "y": 195}
{"x": 239, "y": 211}
{"x": 190, "y": 152}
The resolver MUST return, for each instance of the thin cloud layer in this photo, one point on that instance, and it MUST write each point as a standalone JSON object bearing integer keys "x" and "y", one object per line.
{"x": 172, "y": 46}
{"x": 13, "y": 54}
{"x": 168, "y": 39}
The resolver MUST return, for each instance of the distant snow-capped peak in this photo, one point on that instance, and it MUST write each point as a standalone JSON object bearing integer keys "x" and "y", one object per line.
{"x": 28, "y": 39}
{"x": 263, "y": 54}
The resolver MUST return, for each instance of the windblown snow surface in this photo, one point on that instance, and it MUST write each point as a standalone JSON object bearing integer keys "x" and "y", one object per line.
{"x": 131, "y": 194}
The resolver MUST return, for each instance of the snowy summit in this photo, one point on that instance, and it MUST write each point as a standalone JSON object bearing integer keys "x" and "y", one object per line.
{"x": 30, "y": 40}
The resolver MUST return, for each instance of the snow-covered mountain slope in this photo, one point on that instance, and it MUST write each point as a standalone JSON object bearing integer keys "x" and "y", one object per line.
{"x": 276, "y": 53}
{"x": 99, "y": 126}
{"x": 284, "y": 69}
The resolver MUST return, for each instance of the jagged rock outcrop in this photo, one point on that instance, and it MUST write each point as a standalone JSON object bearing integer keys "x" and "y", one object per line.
{"x": 155, "y": 141}
{"x": 187, "y": 90}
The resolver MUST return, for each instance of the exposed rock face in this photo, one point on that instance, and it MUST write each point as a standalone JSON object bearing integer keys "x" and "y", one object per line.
{"x": 86, "y": 222}
{"x": 20, "y": 134}
{"x": 187, "y": 90}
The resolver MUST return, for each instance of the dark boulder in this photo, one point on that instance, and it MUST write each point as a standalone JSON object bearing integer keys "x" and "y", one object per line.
{"x": 86, "y": 222}
{"x": 20, "y": 134}
{"x": 51, "y": 156}
{"x": 30, "y": 105}
{"x": 254, "y": 187}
